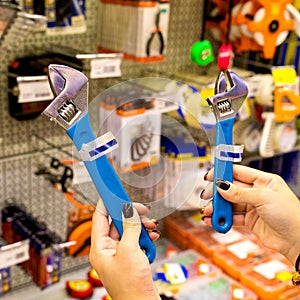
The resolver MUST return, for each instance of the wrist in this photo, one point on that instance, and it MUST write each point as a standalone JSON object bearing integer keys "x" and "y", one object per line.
{"x": 139, "y": 297}
{"x": 142, "y": 294}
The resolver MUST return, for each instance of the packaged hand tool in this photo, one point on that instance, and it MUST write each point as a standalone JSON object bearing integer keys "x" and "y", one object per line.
{"x": 5, "y": 275}
{"x": 230, "y": 93}
{"x": 202, "y": 51}
{"x": 70, "y": 110}
{"x": 29, "y": 92}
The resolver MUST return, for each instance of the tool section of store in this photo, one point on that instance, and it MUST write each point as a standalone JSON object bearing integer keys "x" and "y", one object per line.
{"x": 146, "y": 97}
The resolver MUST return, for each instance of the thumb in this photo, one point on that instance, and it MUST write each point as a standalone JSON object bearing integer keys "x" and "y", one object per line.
{"x": 131, "y": 226}
{"x": 237, "y": 194}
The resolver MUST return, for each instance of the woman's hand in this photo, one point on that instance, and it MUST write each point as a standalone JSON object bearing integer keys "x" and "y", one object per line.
{"x": 121, "y": 265}
{"x": 150, "y": 225}
{"x": 264, "y": 203}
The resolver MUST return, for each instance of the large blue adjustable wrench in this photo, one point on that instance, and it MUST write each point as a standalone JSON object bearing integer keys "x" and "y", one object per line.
{"x": 70, "y": 110}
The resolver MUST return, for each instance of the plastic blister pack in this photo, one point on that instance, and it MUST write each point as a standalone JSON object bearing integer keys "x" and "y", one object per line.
{"x": 177, "y": 228}
{"x": 205, "y": 240}
{"x": 219, "y": 287}
{"x": 240, "y": 256}
{"x": 164, "y": 249}
{"x": 186, "y": 265}
{"x": 271, "y": 278}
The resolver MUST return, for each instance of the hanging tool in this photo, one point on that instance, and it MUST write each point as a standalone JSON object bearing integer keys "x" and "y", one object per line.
{"x": 58, "y": 174}
{"x": 202, "y": 52}
{"x": 70, "y": 110}
{"x": 271, "y": 25}
{"x": 242, "y": 19}
{"x": 225, "y": 104}
{"x": 156, "y": 31}
{"x": 235, "y": 30}
{"x": 81, "y": 234}
{"x": 16, "y": 24}
{"x": 266, "y": 148}
{"x": 286, "y": 96}
{"x": 286, "y": 104}
{"x": 140, "y": 146}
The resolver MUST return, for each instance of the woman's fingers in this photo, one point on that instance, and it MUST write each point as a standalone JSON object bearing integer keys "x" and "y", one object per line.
{"x": 154, "y": 235}
{"x": 239, "y": 211}
{"x": 207, "y": 193}
{"x": 241, "y": 174}
{"x": 131, "y": 227}
{"x": 149, "y": 224}
{"x": 251, "y": 176}
{"x": 101, "y": 244}
{"x": 238, "y": 219}
{"x": 141, "y": 208}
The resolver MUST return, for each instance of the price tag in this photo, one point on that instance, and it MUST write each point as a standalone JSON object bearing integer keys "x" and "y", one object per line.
{"x": 105, "y": 67}
{"x": 14, "y": 254}
{"x": 227, "y": 238}
{"x": 243, "y": 249}
{"x": 33, "y": 89}
{"x": 271, "y": 268}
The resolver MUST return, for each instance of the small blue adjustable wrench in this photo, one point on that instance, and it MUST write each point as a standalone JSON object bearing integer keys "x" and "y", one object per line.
{"x": 70, "y": 110}
{"x": 230, "y": 93}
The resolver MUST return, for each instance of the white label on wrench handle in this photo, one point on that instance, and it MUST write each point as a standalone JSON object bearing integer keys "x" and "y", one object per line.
{"x": 229, "y": 152}
{"x": 98, "y": 147}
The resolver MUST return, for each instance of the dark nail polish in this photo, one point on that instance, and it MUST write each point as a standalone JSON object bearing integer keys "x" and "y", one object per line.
{"x": 203, "y": 217}
{"x": 127, "y": 210}
{"x": 205, "y": 176}
{"x": 223, "y": 184}
{"x": 201, "y": 210}
{"x": 156, "y": 231}
{"x": 201, "y": 194}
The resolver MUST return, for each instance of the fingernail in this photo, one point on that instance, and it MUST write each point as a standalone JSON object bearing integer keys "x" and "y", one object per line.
{"x": 202, "y": 210}
{"x": 156, "y": 231}
{"x": 155, "y": 222}
{"x": 201, "y": 194}
{"x": 223, "y": 184}
{"x": 203, "y": 217}
{"x": 128, "y": 210}
{"x": 205, "y": 176}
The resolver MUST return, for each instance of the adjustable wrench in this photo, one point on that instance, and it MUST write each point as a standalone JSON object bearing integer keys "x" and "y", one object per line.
{"x": 230, "y": 93}
{"x": 70, "y": 110}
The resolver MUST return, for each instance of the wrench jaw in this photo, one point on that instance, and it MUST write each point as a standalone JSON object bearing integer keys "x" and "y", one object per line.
{"x": 71, "y": 101}
{"x": 226, "y": 103}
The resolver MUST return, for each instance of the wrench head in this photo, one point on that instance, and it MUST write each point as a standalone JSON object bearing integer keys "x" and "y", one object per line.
{"x": 70, "y": 87}
{"x": 230, "y": 93}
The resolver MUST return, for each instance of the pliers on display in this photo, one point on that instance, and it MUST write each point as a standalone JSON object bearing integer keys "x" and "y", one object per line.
{"x": 157, "y": 32}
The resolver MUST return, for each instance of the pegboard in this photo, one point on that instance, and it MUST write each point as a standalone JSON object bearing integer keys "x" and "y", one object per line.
{"x": 184, "y": 30}
{"x": 21, "y": 152}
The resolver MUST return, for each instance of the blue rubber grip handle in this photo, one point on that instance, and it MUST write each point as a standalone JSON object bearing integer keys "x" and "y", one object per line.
{"x": 222, "y": 209}
{"x": 107, "y": 183}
